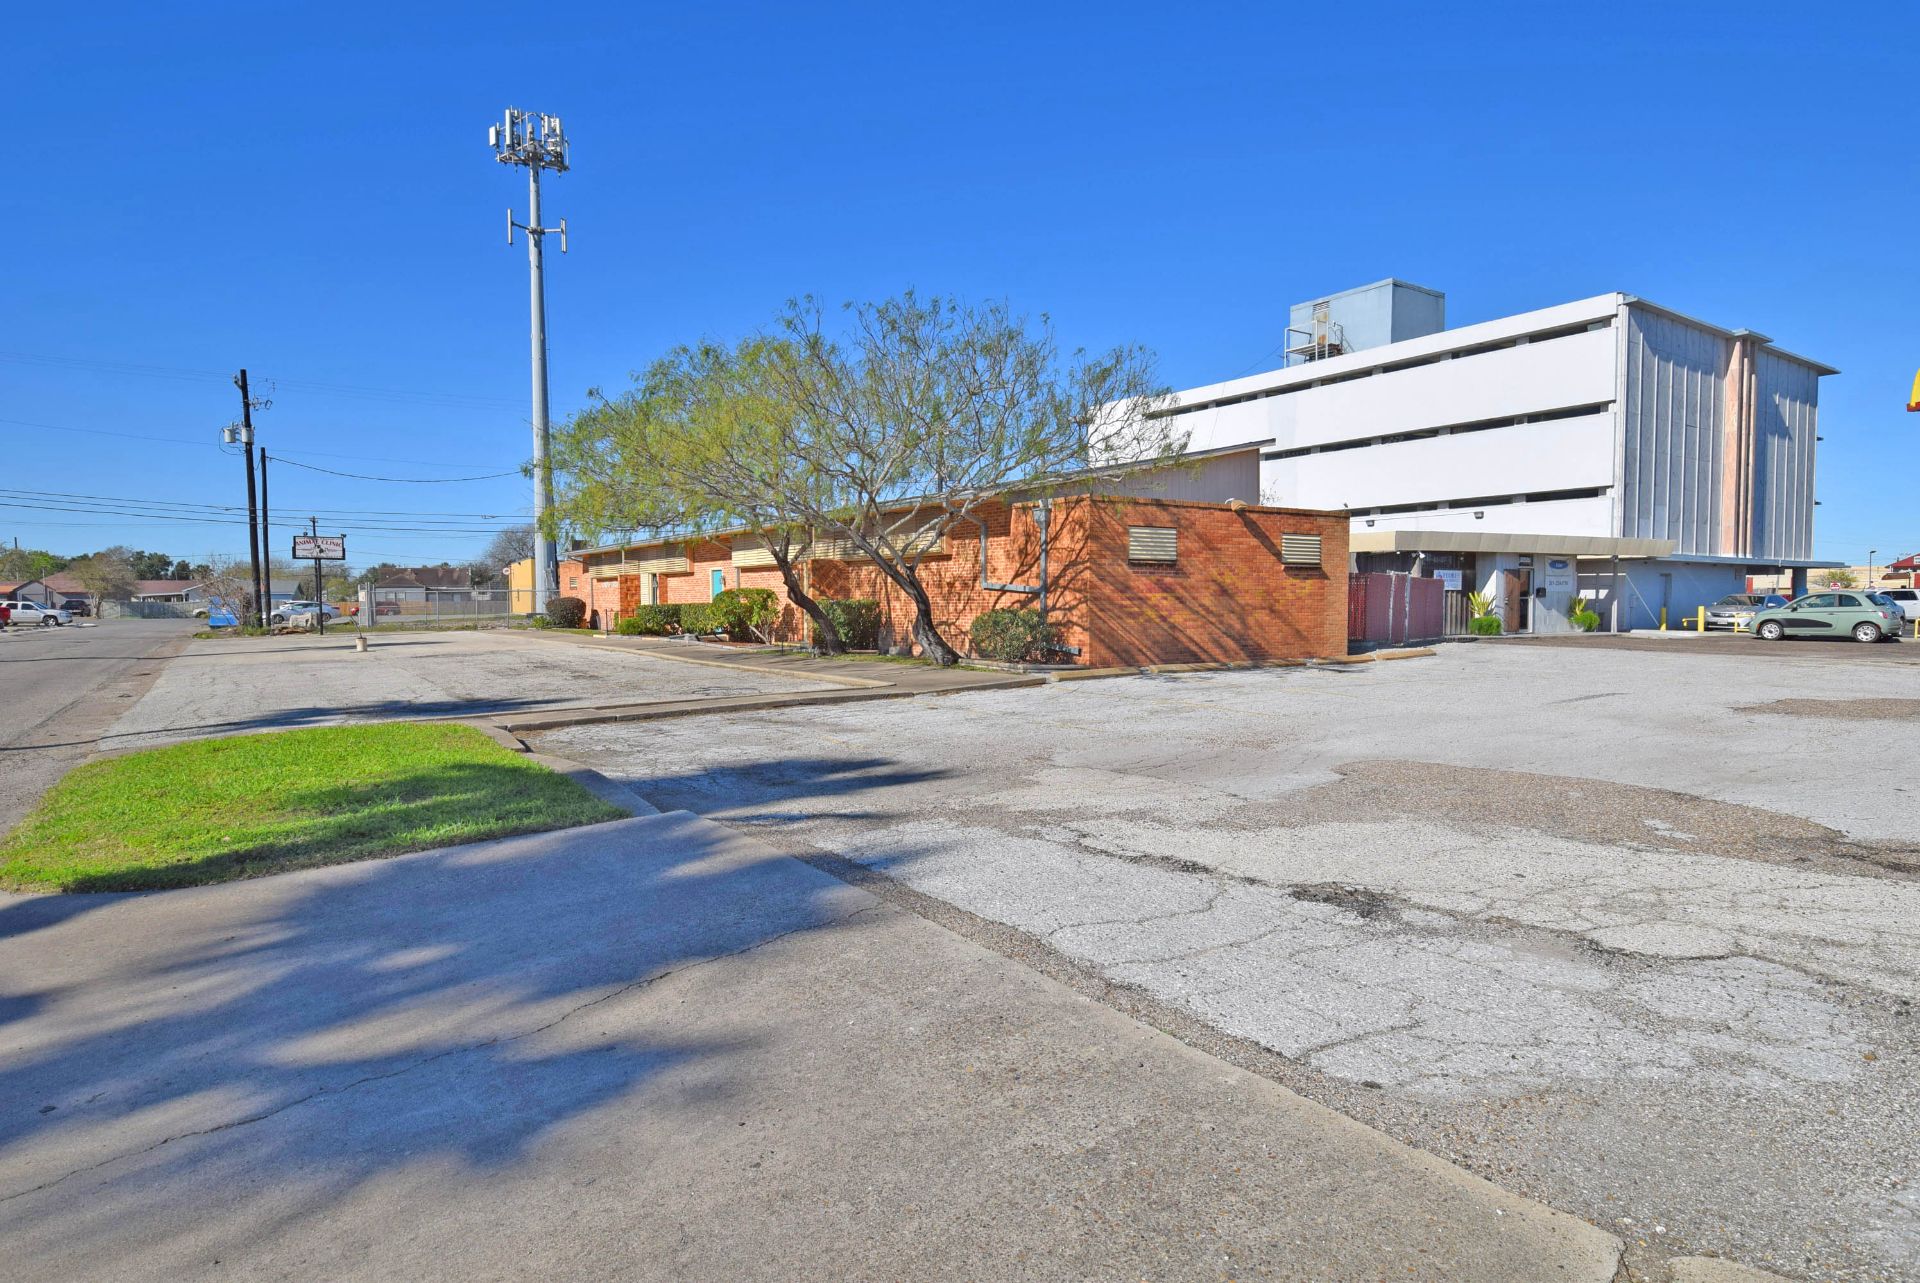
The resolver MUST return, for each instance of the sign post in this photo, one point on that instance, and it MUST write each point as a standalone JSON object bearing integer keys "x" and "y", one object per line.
{"x": 320, "y": 548}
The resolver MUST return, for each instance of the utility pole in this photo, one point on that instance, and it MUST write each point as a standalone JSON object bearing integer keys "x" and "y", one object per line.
{"x": 253, "y": 516}
{"x": 537, "y": 141}
{"x": 266, "y": 527}
{"x": 319, "y": 589}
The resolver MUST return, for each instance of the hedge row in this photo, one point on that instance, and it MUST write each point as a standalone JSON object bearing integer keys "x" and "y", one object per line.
{"x": 857, "y": 620}
{"x": 1013, "y": 636}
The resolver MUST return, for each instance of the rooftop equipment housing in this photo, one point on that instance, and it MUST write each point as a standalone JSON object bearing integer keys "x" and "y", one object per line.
{"x": 1366, "y": 316}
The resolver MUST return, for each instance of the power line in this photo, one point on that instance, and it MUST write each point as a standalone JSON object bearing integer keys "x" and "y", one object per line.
{"x": 136, "y": 502}
{"x": 137, "y": 517}
{"x": 414, "y": 481}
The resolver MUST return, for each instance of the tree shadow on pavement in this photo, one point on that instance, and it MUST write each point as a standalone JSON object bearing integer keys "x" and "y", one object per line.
{"x": 276, "y": 1044}
{"x": 713, "y": 790}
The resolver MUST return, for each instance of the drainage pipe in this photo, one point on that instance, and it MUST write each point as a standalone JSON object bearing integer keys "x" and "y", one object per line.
{"x": 1041, "y": 518}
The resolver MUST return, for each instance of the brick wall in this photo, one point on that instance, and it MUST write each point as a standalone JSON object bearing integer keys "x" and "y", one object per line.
{"x": 1228, "y": 597}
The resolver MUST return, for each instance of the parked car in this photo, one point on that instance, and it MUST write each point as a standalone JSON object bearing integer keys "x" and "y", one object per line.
{"x": 1840, "y": 613}
{"x": 24, "y": 613}
{"x": 287, "y": 610}
{"x": 78, "y": 609}
{"x": 1737, "y": 609}
{"x": 1907, "y": 599}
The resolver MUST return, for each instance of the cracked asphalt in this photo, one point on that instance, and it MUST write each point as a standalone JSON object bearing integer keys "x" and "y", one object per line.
{"x": 1586, "y": 922}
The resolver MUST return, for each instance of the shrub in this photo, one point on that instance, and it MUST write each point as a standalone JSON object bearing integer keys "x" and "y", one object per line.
{"x": 744, "y": 612}
{"x": 649, "y": 621}
{"x": 566, "y": 612}
{"x": 1484, "y": 626}
{"x": 1586, "y": 620}
{"x": 856, "y": 619}
{"x": 696, "y": 618}
{"x": 1012, "y": 636}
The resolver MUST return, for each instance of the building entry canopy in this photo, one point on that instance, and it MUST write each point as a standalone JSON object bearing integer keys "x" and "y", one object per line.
{"x": 1490, "y": 541}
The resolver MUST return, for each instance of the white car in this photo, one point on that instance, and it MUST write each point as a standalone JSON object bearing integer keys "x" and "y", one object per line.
{"x": 1907, "y": 599}
{"x": 287, "y": 610}
{"x": 32, "y": 612}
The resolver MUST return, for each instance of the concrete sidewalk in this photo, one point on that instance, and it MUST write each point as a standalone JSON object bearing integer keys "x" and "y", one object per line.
{"x": 655, "y": 1049}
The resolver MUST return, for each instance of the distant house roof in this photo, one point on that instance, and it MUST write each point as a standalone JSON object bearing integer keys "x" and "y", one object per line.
{"x": 64, "y": 582}
{"x": 163, "y": 587}
{"x": 13, "y": 588}
{"x": 1909, "y": 562}
{"x": 426, "y": 577}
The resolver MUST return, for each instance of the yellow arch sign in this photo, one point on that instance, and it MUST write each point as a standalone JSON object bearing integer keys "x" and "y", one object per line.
{"x": 1913, "y": 402}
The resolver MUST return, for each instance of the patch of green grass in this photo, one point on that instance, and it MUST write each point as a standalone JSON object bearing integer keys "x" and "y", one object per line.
{"x": 216, "y": 810}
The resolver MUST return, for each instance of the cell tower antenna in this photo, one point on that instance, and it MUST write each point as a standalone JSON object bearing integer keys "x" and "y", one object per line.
{"x": 537, "y": 141}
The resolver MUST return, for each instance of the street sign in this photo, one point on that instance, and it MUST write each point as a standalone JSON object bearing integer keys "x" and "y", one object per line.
{"x": 319, "y": 547}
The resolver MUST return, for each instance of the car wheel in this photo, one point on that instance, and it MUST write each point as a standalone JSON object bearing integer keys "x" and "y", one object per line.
{"x": 1865, "y": 632}
{"x": 1770, "y": 631}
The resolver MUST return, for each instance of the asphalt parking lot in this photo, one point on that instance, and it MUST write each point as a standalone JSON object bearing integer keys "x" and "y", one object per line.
{"x": 1635, "y": 931}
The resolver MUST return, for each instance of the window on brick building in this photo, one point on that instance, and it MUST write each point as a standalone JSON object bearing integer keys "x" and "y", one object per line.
{"x": 1153, "y": 545}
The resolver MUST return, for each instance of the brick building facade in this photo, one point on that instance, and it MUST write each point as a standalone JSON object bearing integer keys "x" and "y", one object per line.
{"x": 1130, "y": 580}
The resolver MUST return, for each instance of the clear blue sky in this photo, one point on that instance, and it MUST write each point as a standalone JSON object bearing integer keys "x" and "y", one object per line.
{"x": 308, "y": 192}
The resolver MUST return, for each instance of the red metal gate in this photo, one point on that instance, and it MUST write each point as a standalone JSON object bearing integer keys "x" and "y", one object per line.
{"x": 1395, "y": 609}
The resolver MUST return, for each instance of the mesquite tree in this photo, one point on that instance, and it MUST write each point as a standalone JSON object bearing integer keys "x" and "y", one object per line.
{"x": 695, "y": 445}
{"x": 887, "y": 432}
{"x": 920, "y": 410}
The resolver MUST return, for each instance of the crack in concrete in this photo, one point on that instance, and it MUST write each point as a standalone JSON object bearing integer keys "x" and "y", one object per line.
{"x": 496, "y": 1041}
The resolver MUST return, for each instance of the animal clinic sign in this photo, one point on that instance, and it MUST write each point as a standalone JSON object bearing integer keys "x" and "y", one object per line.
{"x": 319, "y": 547}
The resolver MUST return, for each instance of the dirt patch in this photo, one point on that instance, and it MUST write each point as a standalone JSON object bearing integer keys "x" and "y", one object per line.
{"x": 1356, "y": 900}
{"x": 1583, "y": 810}
{"x": 1843, "y": 710}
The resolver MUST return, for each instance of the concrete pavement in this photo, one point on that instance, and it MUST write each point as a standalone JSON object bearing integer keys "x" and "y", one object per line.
{"x": 1629, "y": 932}
{"x": 62, "y": 688}
{"x": 225, "y": 686}
{"x": 655, "y": 1049}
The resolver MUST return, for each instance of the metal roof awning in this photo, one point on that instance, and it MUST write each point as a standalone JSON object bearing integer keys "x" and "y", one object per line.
{"x": 1491, "y": 541}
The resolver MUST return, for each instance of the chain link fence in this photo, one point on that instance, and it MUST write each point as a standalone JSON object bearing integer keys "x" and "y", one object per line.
{"x": 442, "y": 605}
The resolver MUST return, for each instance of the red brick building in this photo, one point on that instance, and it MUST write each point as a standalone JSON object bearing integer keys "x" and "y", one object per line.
{"x": 1131, "y": 579}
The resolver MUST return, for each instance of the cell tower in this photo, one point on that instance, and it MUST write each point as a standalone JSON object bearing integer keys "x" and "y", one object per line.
{"x": 536, "y": 140}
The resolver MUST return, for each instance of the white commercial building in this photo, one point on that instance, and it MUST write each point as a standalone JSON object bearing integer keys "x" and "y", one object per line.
{"x": 1608, "y": 448}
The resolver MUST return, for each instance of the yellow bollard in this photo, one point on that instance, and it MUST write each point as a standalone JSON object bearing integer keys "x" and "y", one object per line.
{"x": 1663, "y": 619}
{"x": 1700, "y": 621}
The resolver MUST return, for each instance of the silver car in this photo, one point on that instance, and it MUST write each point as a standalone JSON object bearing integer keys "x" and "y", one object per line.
{"x": 1736, "y": 609}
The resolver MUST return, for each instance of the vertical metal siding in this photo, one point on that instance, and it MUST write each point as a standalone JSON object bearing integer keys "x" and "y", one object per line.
{"x": 1672, "y": 424}
{"x": 1786, "y": 421}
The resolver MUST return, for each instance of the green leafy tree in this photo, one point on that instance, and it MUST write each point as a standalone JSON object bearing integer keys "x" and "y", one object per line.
{"x": 919, "y": 411}
{"x": 701, "y": 442}
{"x": 18, "y": 565}
{"x": 150, "y": 565}
{"x": 888, "y": 431}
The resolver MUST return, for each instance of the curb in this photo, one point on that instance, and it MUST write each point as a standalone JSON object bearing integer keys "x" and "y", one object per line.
{"x": 689, "y": 708}
{"x": 610, "y": 791}
{"x": 1418, "y": 652}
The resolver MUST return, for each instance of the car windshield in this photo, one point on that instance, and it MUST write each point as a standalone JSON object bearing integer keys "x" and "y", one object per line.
{"x": 1733, "y": 599}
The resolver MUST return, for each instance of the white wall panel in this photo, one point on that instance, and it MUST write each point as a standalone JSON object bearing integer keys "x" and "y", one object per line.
{"x": 1530, "y": 379}
{"x": 1561, "y": 454}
